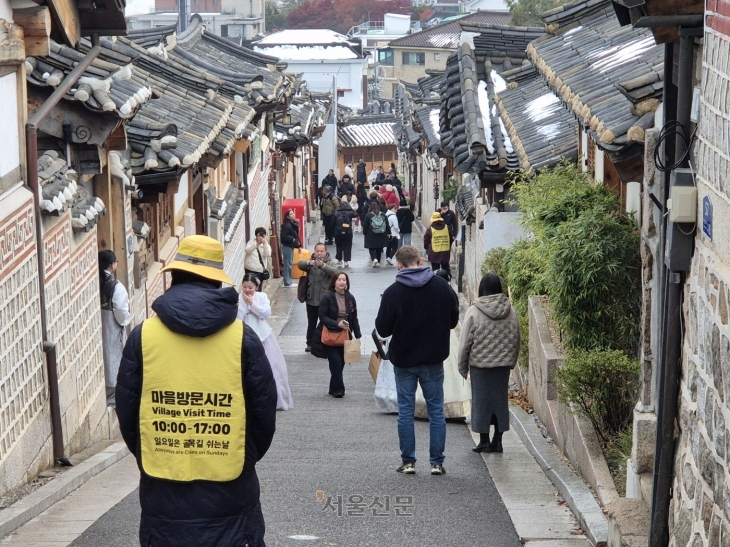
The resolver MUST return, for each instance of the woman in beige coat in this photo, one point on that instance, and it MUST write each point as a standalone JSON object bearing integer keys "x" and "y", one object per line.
{"x": 488, "y": 349}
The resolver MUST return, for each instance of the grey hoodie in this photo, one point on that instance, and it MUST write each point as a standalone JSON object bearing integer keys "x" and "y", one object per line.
{"x": 414, "y": 277}
{"x": 490, "y": 335}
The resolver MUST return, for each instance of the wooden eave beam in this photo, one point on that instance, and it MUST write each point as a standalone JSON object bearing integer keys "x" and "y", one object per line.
{"x": 36, "y": 23}
{"x": 66, "y": 21}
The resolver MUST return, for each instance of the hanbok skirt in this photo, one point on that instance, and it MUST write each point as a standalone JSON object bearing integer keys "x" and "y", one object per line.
{"x": 273, "y": 352}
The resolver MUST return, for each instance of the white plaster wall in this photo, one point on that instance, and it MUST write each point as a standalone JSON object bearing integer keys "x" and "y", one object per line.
{"x": 10, "y": 149}
{"x": 347, "y": 74}
{"x": 181, "y": 197}
{"x": 6, "y": 11}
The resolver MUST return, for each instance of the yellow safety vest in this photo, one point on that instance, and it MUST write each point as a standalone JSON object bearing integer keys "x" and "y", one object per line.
{"x": 440, "y": 240}
{"x": 192, "y": 415}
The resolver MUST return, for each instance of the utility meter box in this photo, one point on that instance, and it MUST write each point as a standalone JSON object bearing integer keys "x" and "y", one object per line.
{"x": 682, "y": 204}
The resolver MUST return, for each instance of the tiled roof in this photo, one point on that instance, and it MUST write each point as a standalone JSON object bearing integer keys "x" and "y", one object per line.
{"x": 306, "y": 116}
{"x": 430, "y": 84}
{"x": 540, "y": 128}
{"x": 471, "y": 128}
{"x": 446, "y": 36}
{"x": 428, "y": 121}
{"x": 308, "y": 44}
{"x": 60, "y": 191}
{"x": 355, "y": 134}
{"x": 575, "y": 14}
{"x": 607, "y": 75}
{"x": 406, "y": 137}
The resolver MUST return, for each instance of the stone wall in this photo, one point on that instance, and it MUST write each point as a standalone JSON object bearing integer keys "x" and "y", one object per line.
{"x": 701, "y": 505}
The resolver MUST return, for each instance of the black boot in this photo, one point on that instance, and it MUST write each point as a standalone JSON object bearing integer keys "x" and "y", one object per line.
{"x": 496, "y": 444}
{"x": 483, "y": 445}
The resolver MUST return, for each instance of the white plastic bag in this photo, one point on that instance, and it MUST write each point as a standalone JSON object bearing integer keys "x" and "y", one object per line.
{"x": 386, "y": 396}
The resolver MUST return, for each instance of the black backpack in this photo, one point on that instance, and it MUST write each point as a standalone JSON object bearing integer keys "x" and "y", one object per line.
{"x": 343, "y": 223}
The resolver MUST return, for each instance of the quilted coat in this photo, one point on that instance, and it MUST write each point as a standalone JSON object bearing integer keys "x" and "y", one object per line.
{"x": 490, "y": 335}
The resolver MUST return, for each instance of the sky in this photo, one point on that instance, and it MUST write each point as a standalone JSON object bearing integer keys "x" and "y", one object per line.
{"x": 136, "y": 7}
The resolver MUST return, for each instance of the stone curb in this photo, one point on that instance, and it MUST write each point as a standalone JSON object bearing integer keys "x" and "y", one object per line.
{"x": 569, "y": 485}
{"x": 35, "y": 503}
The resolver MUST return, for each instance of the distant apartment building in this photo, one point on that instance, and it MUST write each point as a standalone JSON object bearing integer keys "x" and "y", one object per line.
{"x": 234, "y": 19}
{"x": 408, "y": 58}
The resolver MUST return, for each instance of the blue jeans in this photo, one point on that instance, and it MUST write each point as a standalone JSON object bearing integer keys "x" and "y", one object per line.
{"x": 431, "y": 378}
{"x": 405, "y": 239}
{"x": 288, "y": 253}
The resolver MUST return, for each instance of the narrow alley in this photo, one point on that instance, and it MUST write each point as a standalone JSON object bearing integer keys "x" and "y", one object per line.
{"x": 329, "y": 477}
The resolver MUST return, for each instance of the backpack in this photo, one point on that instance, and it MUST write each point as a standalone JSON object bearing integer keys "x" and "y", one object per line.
{"x": 377, "y": 224}
{"x": 328, "y": 206}
{"x": 343, "y": 224}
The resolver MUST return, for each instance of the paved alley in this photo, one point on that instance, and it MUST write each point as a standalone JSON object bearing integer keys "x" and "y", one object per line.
{"x": 329, "y": 477}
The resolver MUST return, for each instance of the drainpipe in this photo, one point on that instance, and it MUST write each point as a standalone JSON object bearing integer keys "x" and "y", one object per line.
{"x": 671, "y": 338}
{"x": 31, "y": 145}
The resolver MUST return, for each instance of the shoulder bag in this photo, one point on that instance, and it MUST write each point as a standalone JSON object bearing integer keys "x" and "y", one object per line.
{"x": 264, "y": 275}
{"x": 332, "y": 338}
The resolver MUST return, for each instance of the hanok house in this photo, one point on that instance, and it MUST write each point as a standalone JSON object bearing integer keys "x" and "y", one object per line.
{"x": 473, "y": 132}
{"x": 51, "y": 379}
{"x": 408, "y": 58}
{"x": 367, "y": 138}
{"x": 295, "y": 133}
{"x": 610, "y": 78}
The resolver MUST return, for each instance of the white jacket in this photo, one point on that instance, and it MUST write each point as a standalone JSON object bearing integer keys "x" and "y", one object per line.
{"x": 255, "y": 315}
{"x": 252, "y": 262}
{"x": 393, "y": 221}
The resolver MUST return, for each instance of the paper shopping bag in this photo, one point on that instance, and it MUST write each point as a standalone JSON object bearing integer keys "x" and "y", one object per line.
{"x": 352, "y": 351}
{"x": 374, "y": 365}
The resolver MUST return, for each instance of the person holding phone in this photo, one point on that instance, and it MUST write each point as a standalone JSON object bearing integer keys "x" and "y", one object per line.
{"x": 289, "y": 242}
{"x": 337, "y": 312}
{"x": 319, "y": 272}
{"x": 258, "y": 251}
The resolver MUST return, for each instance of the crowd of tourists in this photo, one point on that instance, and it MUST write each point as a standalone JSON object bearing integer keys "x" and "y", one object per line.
{"x": 209, "y": 348}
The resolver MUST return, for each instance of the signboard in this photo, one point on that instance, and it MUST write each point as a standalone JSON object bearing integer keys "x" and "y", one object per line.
{"x": 707, "y": 217}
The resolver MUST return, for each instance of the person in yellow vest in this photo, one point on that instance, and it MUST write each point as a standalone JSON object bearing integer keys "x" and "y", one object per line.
{"x": 196, "y": 402}
{"x": 437, "y": 242}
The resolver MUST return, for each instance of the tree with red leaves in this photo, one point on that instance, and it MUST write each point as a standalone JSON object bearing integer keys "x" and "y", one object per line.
{"x": 341, "y": 15}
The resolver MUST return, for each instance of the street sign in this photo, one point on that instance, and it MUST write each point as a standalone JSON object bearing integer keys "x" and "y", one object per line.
{"x": 707, "y": 217}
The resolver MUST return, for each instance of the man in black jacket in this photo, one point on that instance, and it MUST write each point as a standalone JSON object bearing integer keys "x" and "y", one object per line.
{"x": 191, "y": 381}
{"x": 418, "y": 311}
{"x": 449, "y": 218}
{"x": 362, "y": 173}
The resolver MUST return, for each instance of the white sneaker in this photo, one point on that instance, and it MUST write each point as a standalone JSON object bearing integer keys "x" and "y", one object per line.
{"x": 293, "y": 285}
{"x": 347, "y": 264}
{"x": 376, "y": 264}
{"x": 389, "y": 261}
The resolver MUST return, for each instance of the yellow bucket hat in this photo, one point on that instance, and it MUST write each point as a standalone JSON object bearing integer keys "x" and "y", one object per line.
{"x": 200, "y": 255}
{"x": 435, "y": 217}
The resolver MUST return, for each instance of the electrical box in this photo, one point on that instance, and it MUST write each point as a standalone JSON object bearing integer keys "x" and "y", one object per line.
{"x": 682, "y": 204}
{"x": 680, "y": 235}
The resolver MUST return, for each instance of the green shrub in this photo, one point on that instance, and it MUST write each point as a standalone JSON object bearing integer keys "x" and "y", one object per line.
{"x": 524, "y": 357}
{"x": 602, "y": 385}
{"x": 617, "y": 451}
{"x": 525, "y": 265}
{"x": 594, "y": 280}
{"x": 450, "y": 188}
{"x": 494, "y": 263}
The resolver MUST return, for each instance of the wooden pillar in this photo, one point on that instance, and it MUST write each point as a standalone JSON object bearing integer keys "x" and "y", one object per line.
{"x": 115, "y": 206}
{"x": 102, "y": 190}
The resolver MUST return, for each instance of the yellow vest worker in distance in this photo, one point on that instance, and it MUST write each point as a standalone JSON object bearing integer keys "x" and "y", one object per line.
{"x": 437, "y": 241}
{"x": 196, "y": 402}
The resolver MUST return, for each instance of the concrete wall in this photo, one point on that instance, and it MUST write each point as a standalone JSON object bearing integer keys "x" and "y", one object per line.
{"x": 701, "y": 503}
{"x": 573, "y": 434}
{"x": 347, "y": 74}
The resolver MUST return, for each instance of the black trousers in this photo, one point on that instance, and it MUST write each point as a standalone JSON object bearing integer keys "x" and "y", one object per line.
{"x": 336, "y": 358}
{"x": 329, "y": 230}
{"x": 440, "y": 266}
{"x": 312, "y": 318}
{"x": 376, "y": 254}
{"x": 392, "y": 247}
{"x": 344, "y": 246}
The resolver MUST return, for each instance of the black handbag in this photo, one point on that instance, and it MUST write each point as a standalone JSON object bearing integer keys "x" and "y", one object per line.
{"x": 264, "y": 275}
